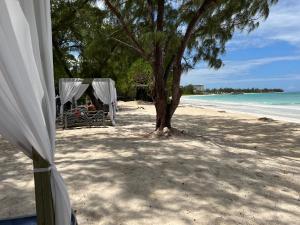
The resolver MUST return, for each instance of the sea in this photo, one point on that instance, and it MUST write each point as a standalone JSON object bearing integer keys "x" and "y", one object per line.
{"x": 279, "y": 106}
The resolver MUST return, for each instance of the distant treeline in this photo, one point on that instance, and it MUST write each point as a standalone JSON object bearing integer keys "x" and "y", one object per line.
{"x": 190, "y": 90}
{"x": 240, "y": 91}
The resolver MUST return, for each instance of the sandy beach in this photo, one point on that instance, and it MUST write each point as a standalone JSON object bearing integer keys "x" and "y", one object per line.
{"x": 225, "y": 169}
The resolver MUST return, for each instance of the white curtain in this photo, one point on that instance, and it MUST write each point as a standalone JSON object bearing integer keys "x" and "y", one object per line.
{"x": 81, "y": 90}
{"x": 104, "y": 90}
{"x": 115, "y": 100}
{"x": 68, "y": 88}
{"x": 113, "y": 92}
{"x": 27, "y": 100}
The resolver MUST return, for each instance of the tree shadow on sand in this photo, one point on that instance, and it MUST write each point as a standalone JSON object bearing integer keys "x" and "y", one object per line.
{"x": 222, "y": 173}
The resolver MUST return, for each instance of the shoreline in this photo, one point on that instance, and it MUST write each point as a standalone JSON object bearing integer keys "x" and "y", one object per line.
{"x": 291, "y": 113}
{"x": 239, "y": 93}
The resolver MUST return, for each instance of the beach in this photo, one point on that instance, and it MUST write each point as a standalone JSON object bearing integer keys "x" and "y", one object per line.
{"x": 284, "y": 106}
{"x": 222, "y": 168}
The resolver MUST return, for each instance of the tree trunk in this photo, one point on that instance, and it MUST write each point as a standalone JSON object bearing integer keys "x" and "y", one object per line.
{"x": 165, "y": 109}
{"x": 163, "y": 117}
{"x": 162, "y": 105}
{"x": 161, "y": 100}
{"x": 160, "y": 93}
{"x": 176, "y": 91}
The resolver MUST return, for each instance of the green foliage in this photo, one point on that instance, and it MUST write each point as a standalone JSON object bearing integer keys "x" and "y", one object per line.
{"x": 188, "y": 90}
{"x": 139, "y": 73}
{"x": 215, "y": 26}
{"x": 81, "y": 42}
{"x": 92, "y": 42}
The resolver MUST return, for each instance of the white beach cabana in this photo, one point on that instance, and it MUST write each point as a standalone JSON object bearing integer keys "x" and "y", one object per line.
{"x": 27, "y": 100}
{"x": 104, "y": 89}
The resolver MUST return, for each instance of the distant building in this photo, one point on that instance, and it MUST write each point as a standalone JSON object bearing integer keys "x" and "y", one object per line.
{"x": 199, "y": 88}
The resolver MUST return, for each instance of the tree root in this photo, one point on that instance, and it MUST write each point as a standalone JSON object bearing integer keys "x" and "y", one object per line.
{"x": 167, "y": 133}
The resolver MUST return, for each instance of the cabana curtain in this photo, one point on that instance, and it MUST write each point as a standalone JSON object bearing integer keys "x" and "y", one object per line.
{"x": 68, "y": 88}
{"x": 102, "y": 91}
{"x": 81, "y": 90}
{"x": 115, "y": 98}
{"x": 27, "y": 88}
{"x": 105, "y": 90}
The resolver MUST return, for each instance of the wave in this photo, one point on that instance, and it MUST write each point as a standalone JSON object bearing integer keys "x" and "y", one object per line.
{"x": 286, "y": 112}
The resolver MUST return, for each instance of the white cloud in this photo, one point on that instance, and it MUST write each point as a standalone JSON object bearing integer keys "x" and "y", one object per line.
{"x": 277, "y": 78}
{"x": 239, "y": 66}
{"x": 238, "y": 69}
{"x": 281, "y": 25}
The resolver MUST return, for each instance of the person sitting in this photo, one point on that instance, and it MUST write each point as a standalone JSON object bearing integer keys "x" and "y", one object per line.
{"x": 77, "y": 113}
{"x": 91, "y": 107}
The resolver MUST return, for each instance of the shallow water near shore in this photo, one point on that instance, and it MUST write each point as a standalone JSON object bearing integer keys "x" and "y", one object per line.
{"x": 282, "y": 106}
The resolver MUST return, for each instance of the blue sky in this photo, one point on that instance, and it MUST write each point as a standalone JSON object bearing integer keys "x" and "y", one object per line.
{"x": 269, "y": 57}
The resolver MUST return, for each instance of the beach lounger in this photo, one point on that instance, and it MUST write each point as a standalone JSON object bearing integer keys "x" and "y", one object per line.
{"x": 75, "y": 118}
{"x": 96, "y": 118}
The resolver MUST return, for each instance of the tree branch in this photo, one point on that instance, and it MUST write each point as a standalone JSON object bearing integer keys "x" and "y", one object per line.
{"x": 160, "y": 15}
{"x": 124, "y": 43}
{"x": 191, "y": 27}
{"x": 102, "y": 64}
{"x": 187, "y": 64}
{"x": 151, "y": 13}
{"x": 158, "y": 53}
{"x": 168, "y": 68}
{"x": 177, "y": 68}
{"x": 60, "y": 57}
{"x": 115, "y": 11}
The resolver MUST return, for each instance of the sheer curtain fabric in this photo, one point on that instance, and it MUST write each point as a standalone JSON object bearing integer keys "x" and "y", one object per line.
{"x": 104, "y": 90}
{"x": 81, "y": 90}
{"x": 68, "y": 88}
{"x": 27, "y": 100}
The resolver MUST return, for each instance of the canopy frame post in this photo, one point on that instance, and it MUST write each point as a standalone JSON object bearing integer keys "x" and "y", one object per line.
{"x": 43, "y": 194}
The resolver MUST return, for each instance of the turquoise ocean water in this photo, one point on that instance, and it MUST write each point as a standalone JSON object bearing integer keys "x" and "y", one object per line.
{"x": 284, "y": 106}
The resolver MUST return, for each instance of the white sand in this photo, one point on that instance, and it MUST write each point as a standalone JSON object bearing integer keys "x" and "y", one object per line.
{"x": 230, "y": 169}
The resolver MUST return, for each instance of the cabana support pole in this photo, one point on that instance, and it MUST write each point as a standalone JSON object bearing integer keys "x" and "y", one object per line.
{"x": 43, "y": 193}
